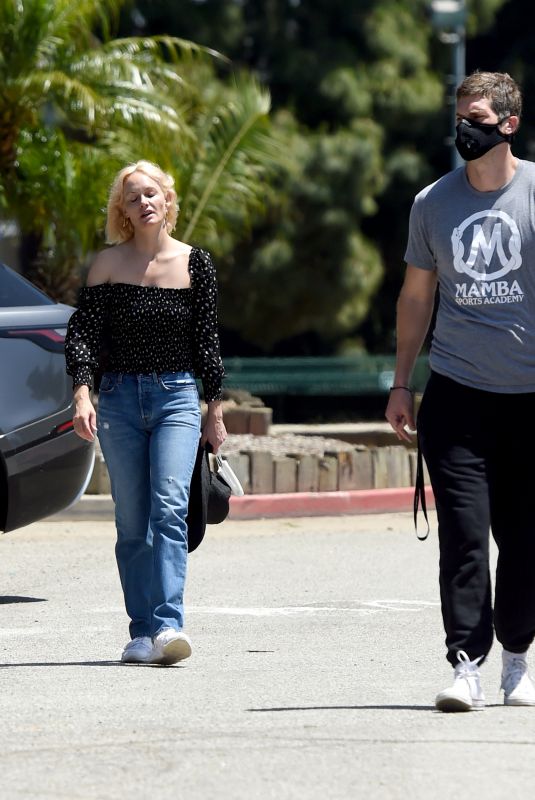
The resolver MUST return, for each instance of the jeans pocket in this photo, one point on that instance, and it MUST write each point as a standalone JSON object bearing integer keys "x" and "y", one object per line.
{"x": 175, "y": 384}
{"x": 108, "y": 383}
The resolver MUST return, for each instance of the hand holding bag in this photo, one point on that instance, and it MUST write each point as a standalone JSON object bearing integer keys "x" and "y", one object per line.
{"x": 209, "y": 498}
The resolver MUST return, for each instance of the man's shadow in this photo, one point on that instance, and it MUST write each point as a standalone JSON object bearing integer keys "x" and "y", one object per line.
{"x": 114, "y": 663}
{"x": 7, "y": 599}
{"x": 344, "y": 708}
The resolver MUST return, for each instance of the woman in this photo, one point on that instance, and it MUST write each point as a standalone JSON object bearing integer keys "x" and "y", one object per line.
{"x": 153, "y": 300}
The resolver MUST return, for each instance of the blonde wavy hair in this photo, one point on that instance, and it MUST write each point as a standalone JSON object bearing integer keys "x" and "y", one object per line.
{"x": 118, "y": 226}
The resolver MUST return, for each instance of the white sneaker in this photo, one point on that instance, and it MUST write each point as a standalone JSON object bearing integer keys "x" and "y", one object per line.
{"x": 170, "y": 646}
{"x": 466, "y": 693}
{"x": 137, "y": 651}
{"x": 516, "y": 683}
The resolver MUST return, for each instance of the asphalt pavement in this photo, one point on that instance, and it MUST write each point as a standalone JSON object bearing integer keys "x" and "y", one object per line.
{"x": 317, "y": 652}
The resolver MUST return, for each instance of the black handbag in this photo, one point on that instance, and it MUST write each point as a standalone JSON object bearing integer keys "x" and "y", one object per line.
{"x": 208, "y": 499}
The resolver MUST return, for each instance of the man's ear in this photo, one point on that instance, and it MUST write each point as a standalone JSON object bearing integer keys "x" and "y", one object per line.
{"x": 511, "y": 125}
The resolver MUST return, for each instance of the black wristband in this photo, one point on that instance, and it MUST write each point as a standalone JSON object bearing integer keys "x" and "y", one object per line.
{"x": 407, "y": 388}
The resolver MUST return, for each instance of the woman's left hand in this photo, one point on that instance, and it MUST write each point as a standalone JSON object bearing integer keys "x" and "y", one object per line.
{"x": 214, "y": 431}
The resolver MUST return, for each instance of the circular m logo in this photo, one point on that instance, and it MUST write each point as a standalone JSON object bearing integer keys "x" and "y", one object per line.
{"x": 498, "y": 240}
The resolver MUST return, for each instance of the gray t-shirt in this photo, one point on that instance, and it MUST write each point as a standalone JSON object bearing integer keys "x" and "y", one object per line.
{"x": 482, "y": 245}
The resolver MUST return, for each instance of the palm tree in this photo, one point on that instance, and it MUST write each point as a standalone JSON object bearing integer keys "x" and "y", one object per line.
{"x": 224, "y": 181}
{"x": 52, "y": 64}
{"x": 75, "y": 106}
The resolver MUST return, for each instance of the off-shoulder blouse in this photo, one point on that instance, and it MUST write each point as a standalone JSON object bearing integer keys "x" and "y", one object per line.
{"x": 149, "y": 329}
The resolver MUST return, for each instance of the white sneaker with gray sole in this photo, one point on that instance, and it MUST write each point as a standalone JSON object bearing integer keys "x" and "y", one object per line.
{"x": 517, "y": 685}
{"x": 170, "y": 646}
{"x": 466, "y": 693}
{"x": 137, "y": 651}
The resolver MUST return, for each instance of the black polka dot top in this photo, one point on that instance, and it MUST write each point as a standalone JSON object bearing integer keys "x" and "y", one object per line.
{"x": 147, "y": 329}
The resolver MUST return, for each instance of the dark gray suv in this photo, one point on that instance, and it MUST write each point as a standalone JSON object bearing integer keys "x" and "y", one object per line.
{"x": 44, "y": 465}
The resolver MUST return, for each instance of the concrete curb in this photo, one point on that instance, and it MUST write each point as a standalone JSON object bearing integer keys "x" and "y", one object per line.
{"x": 311, "y": 504}
{"x": 296, "y": 504}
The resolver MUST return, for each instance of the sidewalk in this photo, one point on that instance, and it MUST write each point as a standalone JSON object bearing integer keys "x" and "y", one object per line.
{"x": 296, "y": 504}
{"x": 317, "y": 653}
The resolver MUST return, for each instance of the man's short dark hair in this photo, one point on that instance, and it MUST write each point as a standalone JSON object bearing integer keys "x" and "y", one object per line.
{"x": 498, "y": 87}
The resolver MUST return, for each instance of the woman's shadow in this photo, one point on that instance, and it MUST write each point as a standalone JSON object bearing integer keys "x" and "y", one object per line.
{"x": 9, "y": 599}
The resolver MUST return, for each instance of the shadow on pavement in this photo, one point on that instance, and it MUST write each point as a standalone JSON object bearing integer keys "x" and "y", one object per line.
{"x": 61, "y": 664}
{"x": 115, "y": 663}
{"x": 5, "y": 599}
{"x": 346, "y": 708}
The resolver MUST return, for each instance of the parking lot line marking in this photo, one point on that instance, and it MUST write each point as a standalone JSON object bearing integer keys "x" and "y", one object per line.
{"x": 359, "y": 608}
{"x": 42, "y": 630}
{"x": 362, "y": 608}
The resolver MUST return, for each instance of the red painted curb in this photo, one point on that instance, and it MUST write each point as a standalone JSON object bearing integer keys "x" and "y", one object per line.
{"x": 311, "y": 504}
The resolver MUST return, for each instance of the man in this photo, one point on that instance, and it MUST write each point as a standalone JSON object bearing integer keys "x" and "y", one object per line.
{"x": 472, "y": 233}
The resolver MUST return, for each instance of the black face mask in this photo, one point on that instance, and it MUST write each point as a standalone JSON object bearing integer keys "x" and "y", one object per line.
{"x": 474, "y": 139}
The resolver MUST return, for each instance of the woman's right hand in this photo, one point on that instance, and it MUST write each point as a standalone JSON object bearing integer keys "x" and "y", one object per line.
{"x": 85, "y": 418}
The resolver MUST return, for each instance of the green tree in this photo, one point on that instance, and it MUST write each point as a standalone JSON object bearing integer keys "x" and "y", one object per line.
{"x": 223, "y": 173}
{"x": 76, "y": 104}
{"x": 507, "y": 45}
{"x": 359, "y": 90}
{"x": 70, "y": 103}
{"x": 306, "y": 275}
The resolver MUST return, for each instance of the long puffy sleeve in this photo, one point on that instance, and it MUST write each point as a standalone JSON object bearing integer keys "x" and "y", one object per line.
{"x": 207, "y": 358}
{"x": 85, "y": 331}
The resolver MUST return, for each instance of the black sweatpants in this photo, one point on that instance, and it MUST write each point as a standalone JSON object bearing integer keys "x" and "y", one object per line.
{"x": 480, "y": 452}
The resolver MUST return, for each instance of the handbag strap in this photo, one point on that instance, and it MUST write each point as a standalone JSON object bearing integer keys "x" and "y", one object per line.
{"x": 419, "y": 494}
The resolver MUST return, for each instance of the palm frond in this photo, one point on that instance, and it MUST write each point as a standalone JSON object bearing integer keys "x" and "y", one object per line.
{"x": 128, "y": 109}
{"x": 237, "y": 152}
{"x": 172, "y": 47}
{"x": 80, "y": 17}
{"x": 34, "y": 32}
{"x": 99, "y": 67}
{"x": 74, "y": 108}
{"x": 72, "y": 95}
{"x": 23, "y": 25}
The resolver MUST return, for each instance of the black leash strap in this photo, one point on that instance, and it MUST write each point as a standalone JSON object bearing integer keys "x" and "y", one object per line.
{"x": 419, "y": 494}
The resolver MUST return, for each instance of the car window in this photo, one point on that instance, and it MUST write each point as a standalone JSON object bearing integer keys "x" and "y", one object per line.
{"x": 17, "y": 291}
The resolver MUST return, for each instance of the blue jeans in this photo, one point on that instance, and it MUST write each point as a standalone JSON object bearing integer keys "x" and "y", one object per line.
{"x": 149, "y": 427}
